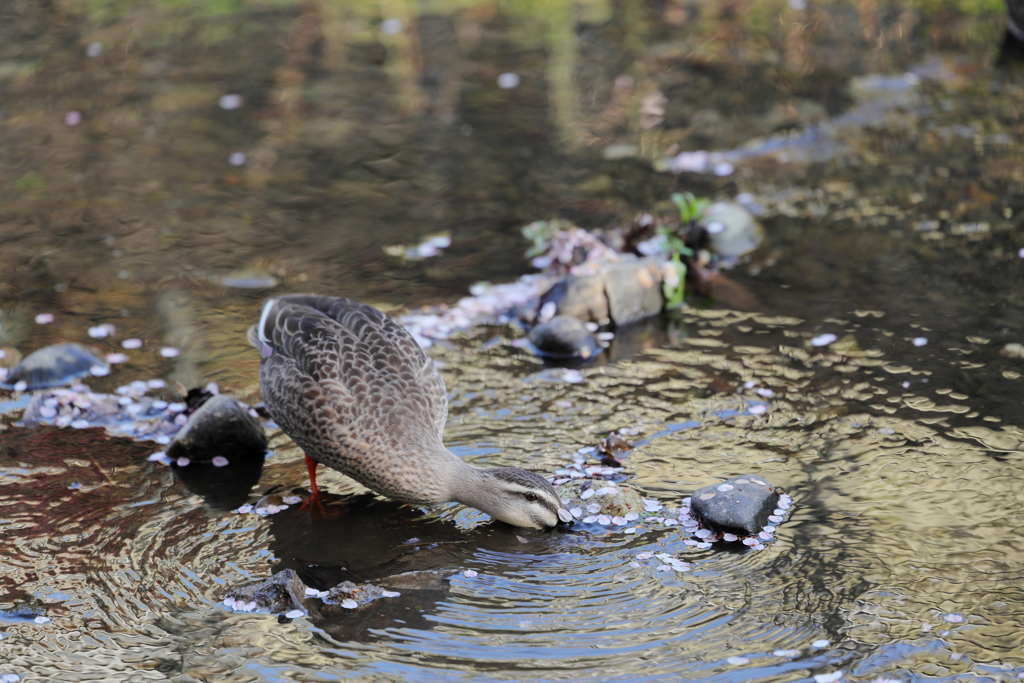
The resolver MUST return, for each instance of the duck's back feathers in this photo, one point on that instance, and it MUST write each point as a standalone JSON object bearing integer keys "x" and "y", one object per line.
{"x": 350, "y": 385}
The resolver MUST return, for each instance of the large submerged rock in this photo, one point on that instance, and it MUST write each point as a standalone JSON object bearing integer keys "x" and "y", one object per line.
{"x": 740, "y": 505}
{"x": 53, "y": 366}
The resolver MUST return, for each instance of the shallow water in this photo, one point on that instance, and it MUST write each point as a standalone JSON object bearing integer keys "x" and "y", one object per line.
{"x": 903, "y": 459}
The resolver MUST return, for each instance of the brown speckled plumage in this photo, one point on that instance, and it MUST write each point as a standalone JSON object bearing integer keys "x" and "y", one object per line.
{"x": 353, "y": 389}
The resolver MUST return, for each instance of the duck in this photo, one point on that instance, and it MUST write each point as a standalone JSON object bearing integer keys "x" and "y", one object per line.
{"x": 352, "y": 388}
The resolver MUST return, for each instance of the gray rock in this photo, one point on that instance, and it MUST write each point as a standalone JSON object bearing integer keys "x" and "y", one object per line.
{"x": 53, "y": 366}
{"x": 581, "y": 297}
{"x": 564, "y": 337}
{"x": 732, "y": 230}
{"x": 282, "y": 592}
{"x": 221, "y": 426}
{"x": 742, "y": 508}
{"x": 633, "y": 288}
{"x": 621, "y": 292}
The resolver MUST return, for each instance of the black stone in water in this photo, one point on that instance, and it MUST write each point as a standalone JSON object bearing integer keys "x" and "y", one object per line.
{"x": 221, "y": 426}
{"x": 742, "y": 510}
{"x": 53, "y": 366}
{"x": 564, "y": 337}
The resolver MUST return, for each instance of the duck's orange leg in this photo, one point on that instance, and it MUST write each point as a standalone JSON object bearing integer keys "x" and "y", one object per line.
{"x": 314, "y": 499}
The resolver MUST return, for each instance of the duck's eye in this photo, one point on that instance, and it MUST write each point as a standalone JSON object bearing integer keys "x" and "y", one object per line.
{"x": 531, "y": 497}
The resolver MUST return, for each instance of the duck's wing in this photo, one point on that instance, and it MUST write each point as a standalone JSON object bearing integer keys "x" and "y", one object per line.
{"x": 350, "y": 370}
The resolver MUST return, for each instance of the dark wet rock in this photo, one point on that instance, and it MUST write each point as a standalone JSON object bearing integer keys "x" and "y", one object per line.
{"x": 620, "y": 292}
{"x": 347, "y": 591}
{"x": 564, "y": 337}
{"x": 281, "y": 593}
{"x": 220, "y": 427}
{"x": 732, "y": 231}
{"x": 53, "y": 366}
{"x": 740, "y": 505}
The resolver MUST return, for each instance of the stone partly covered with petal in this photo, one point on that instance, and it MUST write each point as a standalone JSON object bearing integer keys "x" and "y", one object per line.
{"x": 282, "y": 592}
{"x": 564, "y": 337}
{"x": 742, "y": 509}
{"x": 348, "y": 596}
{"x": 53, "y": 366}
{"x": 607, "y": 499}
{"x": 220, "y": 427}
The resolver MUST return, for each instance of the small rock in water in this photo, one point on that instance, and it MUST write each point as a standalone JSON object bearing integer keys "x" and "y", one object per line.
{"x": 53, "y": 366}
{"x": 742, "y": 510}
{"x": 221, "y": 425}
{"x": 732, "y": 230}
{"x": 564, "y": 337}
{"x": 282, "y": 592}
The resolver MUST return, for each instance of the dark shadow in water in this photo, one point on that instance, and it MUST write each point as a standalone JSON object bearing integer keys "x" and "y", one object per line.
{"x": 223, "y": 488}
{"x": 361, "y": 538}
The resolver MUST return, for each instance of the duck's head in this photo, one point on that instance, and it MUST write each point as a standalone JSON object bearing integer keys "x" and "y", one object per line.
{"x": 517, "y": 497}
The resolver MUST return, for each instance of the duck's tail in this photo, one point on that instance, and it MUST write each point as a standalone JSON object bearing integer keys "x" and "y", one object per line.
{"x": 257, "y": 334}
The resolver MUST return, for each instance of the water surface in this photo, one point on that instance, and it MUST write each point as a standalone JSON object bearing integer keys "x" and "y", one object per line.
{"x": 901, "y": 221}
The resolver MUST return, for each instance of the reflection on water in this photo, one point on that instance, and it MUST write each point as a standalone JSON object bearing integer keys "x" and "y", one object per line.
{"x": 133, "y": 194}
